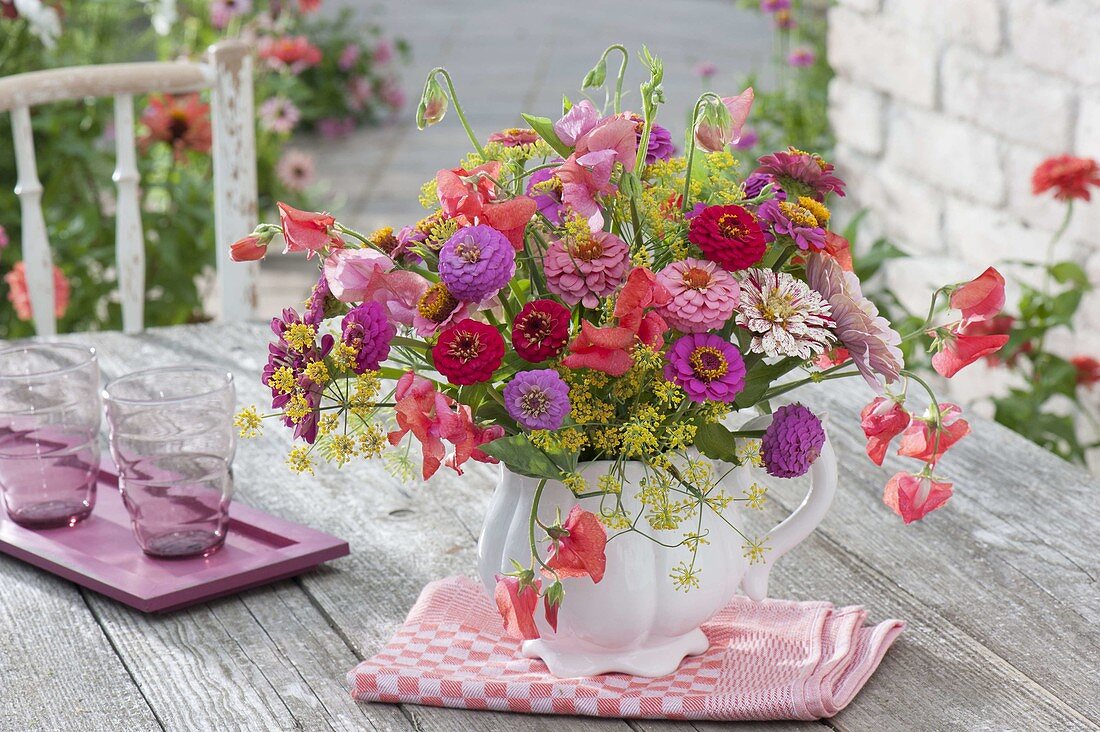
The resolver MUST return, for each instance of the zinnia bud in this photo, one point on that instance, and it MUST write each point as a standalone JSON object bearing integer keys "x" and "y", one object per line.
{"x": 433, "y": 104}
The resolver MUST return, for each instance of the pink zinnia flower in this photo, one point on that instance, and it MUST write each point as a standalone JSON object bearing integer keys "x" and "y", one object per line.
{"x": 295, "y": 170}
{"x": 360, "y": 91}
{"x": 915, "y": 496}
{"x": 278, "y": 114}
{"x": 334, "y": 128}
{"x": 584, "y": 271}
{"x": 182, "y": 121}
{"x": 1070, "y": 177}
{"x": 222, "y": 11}
{"x": 801, "y": 58}
{"x": 792, "y": 220}
{"x": 383, "y": 52}
{"x": 703, "y": 295}
{"x": 801, "y": 173}
{"x": 20, "y": 297}
{"x": 707, "y": 367}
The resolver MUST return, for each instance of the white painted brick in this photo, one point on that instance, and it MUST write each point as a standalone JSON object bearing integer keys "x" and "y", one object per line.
{"x": 856, "y": 116}
{"x": 1088, "y": 125}
{"x": 1057, "y": 37}
{"x": 976, "y": 23}
{"x": 914, "y": 279}
{"x": 947, "y": 153}
{"x": 912, "y": 211}
{"x": 876, "y": 53}
{"x": 1006, "y": 97}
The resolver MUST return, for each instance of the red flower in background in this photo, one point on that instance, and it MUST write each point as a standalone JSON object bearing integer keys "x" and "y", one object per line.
{"x": 468, "y": 352}
{"x": 20, "y": 297}
{"x": 1069, "y": 177}
{"x": 579, "y": 546}
{"x": 289, "y": 53}
{"x": 181, "y": 121}
{"x": 1088, "y": 370}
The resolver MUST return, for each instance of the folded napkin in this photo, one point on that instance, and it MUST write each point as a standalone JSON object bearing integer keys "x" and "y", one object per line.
{"x": 771, "y": 660}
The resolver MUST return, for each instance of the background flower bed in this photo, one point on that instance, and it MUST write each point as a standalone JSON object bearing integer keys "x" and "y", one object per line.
{"x": 312, "y": 74}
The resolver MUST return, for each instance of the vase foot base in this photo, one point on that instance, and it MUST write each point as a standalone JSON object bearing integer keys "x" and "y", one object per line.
{"x": 659, "y": 659}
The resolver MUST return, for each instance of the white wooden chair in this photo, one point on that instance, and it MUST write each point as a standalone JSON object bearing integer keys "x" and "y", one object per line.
{"x": 227, "y": 72}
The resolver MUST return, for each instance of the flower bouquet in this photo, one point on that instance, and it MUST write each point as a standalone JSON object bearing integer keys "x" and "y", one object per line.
{"x": 592, "y": 311}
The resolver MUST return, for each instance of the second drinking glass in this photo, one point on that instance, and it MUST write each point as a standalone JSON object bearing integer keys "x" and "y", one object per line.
{"x": 171, "y": 436}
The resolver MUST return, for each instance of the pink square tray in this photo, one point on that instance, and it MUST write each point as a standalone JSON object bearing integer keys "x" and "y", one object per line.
{"x": 100, "y": 553}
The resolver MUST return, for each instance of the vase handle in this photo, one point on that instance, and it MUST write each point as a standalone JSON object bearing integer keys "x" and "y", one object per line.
{"x": 800, "y": 524}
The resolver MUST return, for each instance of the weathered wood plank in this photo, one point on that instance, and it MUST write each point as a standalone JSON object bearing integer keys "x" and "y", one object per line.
{"x": 57, "y": 668}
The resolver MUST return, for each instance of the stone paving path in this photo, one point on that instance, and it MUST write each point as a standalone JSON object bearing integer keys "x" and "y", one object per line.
{"x": 508, "y": 56}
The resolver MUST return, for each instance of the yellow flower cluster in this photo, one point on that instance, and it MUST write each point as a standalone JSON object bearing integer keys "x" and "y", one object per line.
{"x": 248, "y": 422}
{"x": 429, "y": 194}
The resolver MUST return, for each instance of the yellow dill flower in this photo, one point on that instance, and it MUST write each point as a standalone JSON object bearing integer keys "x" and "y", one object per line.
{"x": 341, "y": 449}
{"x": 441, "y": 232}
{"x": 719, "y": 501}
{"x": 616, "y": 518}
{"x": 647, "y": 357}
{"x": 328, "y": 423}
{"x": 429, "y": 194}
{"x": 282, "y": 380}
{"x": 638, "y": 439}
{"x": 606, "y": 440}
{"x": 372, "y": 441}
{"x": 575, "y": 228}
{"x": 297, "y": 408}
{"x": 754, "y": 549}
{"x": 249, "y": 422}
{"x": 692, "y": 540}
{"x": 640, "y": 258}
{"x": 609, "y": 484}
{"x": 684, "y": 577}
{"x": 680, "y": 436}
{"x": 317, "y": 372}
{"x": 668, "y": 393}
{"x": 343, "y": 356}
{"x": 722, "y": 160}
{"x": 699, "y": 474}
{"x": 299, "y": 461}
{"x": 544, "y": 440}
{"x": 666, "y": 169}
{"x": 714, "y": 412}
{"x": 400, "y": 465}
{"x": 755, "y": 496}
{"x": 367, "y": 385}
{"x": 749, "y": 451}
{"x": 575, "y": 482}
{"x": 572, "y": 440}
{"x": 300, "y": 336}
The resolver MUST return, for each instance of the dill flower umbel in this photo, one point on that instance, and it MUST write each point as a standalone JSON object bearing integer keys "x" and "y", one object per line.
{"x": 784, "y": 315}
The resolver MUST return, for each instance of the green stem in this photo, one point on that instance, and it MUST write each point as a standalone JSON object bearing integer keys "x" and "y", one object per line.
{"x": 684, "y": 205}
{"x": 458, "y": 107}
{"x": 535, "y": 522}
{"x": 617, "y": 102}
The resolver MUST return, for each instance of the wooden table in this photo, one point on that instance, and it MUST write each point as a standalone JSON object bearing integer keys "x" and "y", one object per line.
{"x": 999, "y": 588}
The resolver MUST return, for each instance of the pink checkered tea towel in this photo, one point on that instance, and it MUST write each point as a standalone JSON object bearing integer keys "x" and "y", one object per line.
{"x": 771, "y": 660}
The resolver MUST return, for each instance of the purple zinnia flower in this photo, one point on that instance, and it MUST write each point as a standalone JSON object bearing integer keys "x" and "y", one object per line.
{"x": 476, "y": 262}
{"x": 801, "y": 173}
{"x": 788, "y": 218}
{"x": 660, "y": 145}
{"x": 707, "y": 367}
{"x": 754, "y": 186}
{"x": 368, "y": 331}
{"x": 318, "y": 302}
{"x": 545, "y": 188}
{"x": 792, "y": 441}
{"x": 538, "y": 400}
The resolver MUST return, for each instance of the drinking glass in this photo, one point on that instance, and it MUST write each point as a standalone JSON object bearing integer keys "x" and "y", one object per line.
{"x": 49, "y": 430}
{"x": 171, "y": 435}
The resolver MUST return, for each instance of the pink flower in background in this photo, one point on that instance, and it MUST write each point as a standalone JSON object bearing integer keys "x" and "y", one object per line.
{"x": 705, "y": 70}
{"x": 289, "y": 53}
{"x": 182, "y": 121}
{"x": 774, "y": 6}
{"x": 333, "y": 128}
{"x": 360, "y": 91}
{"x": 20, "y": 297}
{"x": 4, "y": 240}
{"x": 392, "y": 93}
{"x": 882, "y": 420}
{"x": 801, "y": 57}
{"x": 1088, "y": 370}
{"x": 222, "y": 11}
{"x": 579, "y": 548}
{"x": 278, "y": 114}
{"x": 383, "y": 52}
{"x": 914, "y": 496}
{"x": 295, "y": 170}
{"x": 516, "y": 602}
{"x": 927, "y": 439}
{"x": 349, "y": 56}
{"x": 308, "y": 6}
{"x": 784, "y": 20}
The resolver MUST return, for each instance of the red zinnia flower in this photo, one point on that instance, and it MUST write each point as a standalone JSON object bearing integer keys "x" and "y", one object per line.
{"x": 1088, "y": 370}
{"x": 728, "y": 235}
{"x": 540, "y": 331}
{"x": 468, "y": 352}
{"x": 181, "y": 121}
{"x": 1069, "y": 176}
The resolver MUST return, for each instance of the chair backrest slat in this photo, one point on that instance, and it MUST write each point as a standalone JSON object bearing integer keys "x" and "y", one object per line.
{"x": 37, "y": 260}
{"x": 129, "y": 236}
{"x": 228, "y": 74}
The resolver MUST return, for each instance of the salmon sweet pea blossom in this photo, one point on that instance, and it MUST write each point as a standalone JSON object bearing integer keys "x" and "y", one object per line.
{"x": 517, "y": 600}
{"x": 882, "y": 420}
{"x": 915, "y": 496}
{"x": 579, "y": 546}
{"x": 978, "y": 301}
{"x": 927, "y": 438}
{"x": 306, "y": 231}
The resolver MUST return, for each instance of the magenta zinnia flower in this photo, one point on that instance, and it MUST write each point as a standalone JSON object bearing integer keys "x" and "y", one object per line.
{"x": 538, "y": 400}
{"x": 784, "y": 315}
{"x": 871, "y": 342}
{"x": 795, "y": 221}
{"x": 792, "y": 442}
{"x": 801, "y": 173}
{"x": 704, "y": 296}
{"x": 476, "y": 262}
{"x": 583, "y": 271}
{"x": 368, "y": 332}
{"x": 706, "y": 367}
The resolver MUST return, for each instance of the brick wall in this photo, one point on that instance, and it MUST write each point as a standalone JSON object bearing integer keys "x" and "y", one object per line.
{"x": 942, "y": 108}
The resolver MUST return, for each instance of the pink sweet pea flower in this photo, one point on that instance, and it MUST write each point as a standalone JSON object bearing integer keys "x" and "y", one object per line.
{"x": 615, "y": 134}
{"x": 400, "y": 294}
{"x": 516, "y": 602}
{"x": 306, "y": 231}
{"x": 577, "y": 122}
{"x": 248, "y": 249}
{"x": 579, "y": 546}
{"x": 959, "y": 350}
{"x": 913, "y": 497}
{"x": 463, "y": 194}
{"x": 926, "y": 441}
{"x": 715, "y": 129}
{"x": 641, "y": 292}
{"x": 582, "y": 179}
{"x": 354, "y": 275}
{"x": 511, "y": 218}
{"x": 981, "y": 298}
{"x": 602, "y": 349}
{"x": 419, "y": 406}
{"x": 882, "y": 420}
{"x": 468, "y": 437}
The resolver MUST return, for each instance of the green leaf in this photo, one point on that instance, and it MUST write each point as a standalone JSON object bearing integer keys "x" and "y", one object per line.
{"x": 867, "y": 265}
{"x": 759, "y": 378}
{"x": 1064, "y": 272}
{"x": 851, "y": 229}
{"x": 716, "y": 442}
{"x": 522, "y": 457}
{"x": 545, "y": 129}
